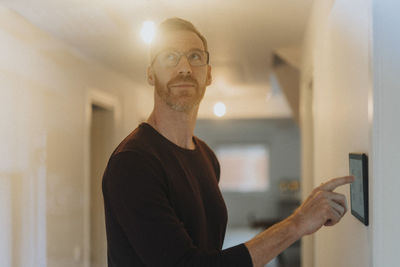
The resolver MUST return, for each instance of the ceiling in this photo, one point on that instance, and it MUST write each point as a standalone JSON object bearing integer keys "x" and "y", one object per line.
{"x": 242, "y": 36}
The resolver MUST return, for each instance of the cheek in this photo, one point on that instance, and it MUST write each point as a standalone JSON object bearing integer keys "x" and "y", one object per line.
{"x": 162, "y": 78}
{"x": 201, "y": 76}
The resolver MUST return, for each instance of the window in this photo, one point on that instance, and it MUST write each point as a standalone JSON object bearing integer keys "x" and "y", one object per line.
{"x": 244, "y": 168}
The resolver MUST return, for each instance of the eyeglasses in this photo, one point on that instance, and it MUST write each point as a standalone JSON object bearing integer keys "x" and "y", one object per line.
{"x": 171, "y": 58}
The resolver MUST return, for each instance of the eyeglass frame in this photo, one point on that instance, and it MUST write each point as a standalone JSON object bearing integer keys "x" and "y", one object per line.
{"x": 183, "y": 54}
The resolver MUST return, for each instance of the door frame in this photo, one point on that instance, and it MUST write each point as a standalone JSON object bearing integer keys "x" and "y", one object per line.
{"x": 108, "y": 102}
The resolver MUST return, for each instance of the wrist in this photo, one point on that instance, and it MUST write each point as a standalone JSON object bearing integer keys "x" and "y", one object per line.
{"x": 295, "y": 226}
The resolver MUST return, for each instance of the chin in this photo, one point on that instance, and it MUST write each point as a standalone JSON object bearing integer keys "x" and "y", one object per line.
{"x": 183, "y": 106}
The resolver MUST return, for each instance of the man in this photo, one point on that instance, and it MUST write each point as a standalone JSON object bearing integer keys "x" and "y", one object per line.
{"x": 162, "y": 202}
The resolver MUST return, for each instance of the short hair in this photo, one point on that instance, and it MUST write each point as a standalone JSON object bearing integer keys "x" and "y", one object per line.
{"x": 175, "y": 24}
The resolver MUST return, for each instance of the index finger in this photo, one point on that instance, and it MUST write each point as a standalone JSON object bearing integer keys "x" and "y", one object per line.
{"x": 335, "y": 182}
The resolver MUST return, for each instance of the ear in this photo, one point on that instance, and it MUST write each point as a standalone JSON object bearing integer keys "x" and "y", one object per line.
{"x": 209, "y": 76}
{"x": 150, "y": 75}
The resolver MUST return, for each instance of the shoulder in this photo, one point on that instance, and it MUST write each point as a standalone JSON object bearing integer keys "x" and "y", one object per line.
{"x": 204, "y": 148}
{"x": 134, "y": 157}
{"x": 133, "y": 162}
{"x": 133, "y": 172}
{"x": 209, "y": 153}
{"x": 138, "y": 140}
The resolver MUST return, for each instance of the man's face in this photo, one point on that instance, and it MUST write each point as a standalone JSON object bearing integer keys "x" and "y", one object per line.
{"x": 182, "y": 86}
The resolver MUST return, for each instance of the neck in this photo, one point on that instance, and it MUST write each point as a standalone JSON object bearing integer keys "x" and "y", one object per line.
{"x": 178, "y": 127}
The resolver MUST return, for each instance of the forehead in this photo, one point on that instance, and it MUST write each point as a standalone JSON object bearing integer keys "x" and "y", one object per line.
{"x": 180, "y": 41}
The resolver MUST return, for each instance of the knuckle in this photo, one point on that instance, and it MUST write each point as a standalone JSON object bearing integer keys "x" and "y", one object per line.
{"x": 325, "y": 202}
{"x": 319, "y": 194}
{"x": 342, "y": 210}
{"x": 326, "y": 209}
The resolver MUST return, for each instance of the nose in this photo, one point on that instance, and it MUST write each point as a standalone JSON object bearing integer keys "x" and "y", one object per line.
{"x": 183, "y": 66}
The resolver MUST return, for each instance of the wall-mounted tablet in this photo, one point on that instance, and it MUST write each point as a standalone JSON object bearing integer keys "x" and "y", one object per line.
{"x": 358, "y": 165}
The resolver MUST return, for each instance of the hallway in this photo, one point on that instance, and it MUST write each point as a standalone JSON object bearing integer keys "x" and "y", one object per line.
{"x": 309, "y": 81}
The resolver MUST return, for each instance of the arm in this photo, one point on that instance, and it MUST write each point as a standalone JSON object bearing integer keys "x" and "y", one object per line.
{"x": 322, "y": 207}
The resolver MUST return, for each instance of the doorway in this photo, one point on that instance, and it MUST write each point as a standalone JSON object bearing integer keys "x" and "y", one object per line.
{"x": 103, "y": 116}
{"x": 102, "y": 128}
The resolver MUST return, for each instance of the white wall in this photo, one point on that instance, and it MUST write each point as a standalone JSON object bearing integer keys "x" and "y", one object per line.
{"x": 44, "y": 88}
{"x": 337, "y": 59}
{"x": 386, "y": 132}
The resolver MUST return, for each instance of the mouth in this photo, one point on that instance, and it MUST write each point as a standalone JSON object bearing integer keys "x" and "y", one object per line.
{"x": 181, "y": 85}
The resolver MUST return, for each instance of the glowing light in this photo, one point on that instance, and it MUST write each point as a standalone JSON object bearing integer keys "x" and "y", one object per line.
{"x": 148, "y": 31}
{"x": 219, "y": 109}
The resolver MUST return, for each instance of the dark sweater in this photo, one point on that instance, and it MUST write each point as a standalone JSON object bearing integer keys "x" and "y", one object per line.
{"x": 163, "y": 206}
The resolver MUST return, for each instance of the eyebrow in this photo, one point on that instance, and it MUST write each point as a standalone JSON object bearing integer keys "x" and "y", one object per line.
{"x": 173, "y": 49}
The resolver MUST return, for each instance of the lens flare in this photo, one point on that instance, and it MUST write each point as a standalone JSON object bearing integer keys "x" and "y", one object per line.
{"x": 219, "y": 109}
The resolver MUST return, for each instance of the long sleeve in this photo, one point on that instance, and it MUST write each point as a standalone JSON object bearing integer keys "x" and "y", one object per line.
{"x": 137, "y": 195}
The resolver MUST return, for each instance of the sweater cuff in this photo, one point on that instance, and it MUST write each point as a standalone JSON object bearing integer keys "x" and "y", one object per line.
{"x": 238, "y": 256}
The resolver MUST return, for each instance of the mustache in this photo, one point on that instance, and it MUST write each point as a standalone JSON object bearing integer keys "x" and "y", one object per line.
{"x": 183, "y": 79}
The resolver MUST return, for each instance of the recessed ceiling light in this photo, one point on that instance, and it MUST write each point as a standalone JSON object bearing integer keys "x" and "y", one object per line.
{"x": 219, "y": 109}
{"x": 148, "y": 31}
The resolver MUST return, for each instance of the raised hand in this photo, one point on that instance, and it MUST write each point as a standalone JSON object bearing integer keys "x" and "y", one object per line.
{"x": 322, "y": 207}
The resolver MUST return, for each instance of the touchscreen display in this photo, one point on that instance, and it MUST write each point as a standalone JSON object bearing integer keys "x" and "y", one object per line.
{"x": 358, "y": 167}
{"x": 357, "y": 192}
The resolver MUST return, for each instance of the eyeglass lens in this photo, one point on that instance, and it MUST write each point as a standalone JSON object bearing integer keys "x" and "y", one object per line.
{"x": 194, "y": 57}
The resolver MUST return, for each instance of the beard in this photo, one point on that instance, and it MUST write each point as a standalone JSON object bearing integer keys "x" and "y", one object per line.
{"x": 180, "y": 100}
